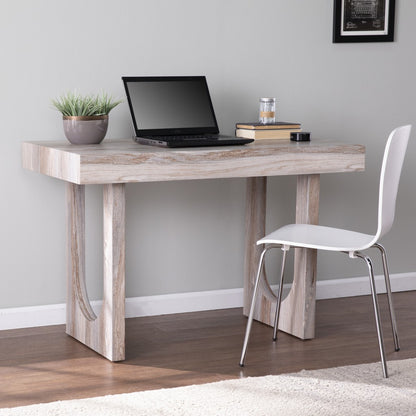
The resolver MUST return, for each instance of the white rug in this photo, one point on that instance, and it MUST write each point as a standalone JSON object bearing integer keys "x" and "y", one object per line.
{"x": 353, "y": 390}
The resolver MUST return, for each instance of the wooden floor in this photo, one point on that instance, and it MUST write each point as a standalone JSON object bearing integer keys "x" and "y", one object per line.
{"x": 43, "y": 364}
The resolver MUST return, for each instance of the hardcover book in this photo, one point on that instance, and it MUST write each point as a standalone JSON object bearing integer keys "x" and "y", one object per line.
{"x": 265, "y": 133}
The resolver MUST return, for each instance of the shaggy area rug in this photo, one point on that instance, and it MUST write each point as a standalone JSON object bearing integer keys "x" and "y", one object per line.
{"x": 352, "y": 390}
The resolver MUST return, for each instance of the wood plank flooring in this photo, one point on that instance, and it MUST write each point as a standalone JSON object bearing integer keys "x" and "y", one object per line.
{"x": 44, "y": 364}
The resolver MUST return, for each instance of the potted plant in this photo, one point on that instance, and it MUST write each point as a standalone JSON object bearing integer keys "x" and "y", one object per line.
{"x": 85, "y": 117}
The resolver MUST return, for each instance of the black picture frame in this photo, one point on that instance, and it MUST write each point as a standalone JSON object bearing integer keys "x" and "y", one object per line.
{"x": 363, "y": 21}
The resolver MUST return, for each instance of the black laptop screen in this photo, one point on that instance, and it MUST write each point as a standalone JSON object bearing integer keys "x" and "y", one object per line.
{"x": 170, "y": 105}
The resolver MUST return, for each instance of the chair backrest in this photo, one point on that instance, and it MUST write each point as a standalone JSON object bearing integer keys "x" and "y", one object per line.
{"x": 389, "y": 178}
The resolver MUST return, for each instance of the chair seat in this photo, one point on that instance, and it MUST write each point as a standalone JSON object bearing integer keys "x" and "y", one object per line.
{"x": 319, "y": 237}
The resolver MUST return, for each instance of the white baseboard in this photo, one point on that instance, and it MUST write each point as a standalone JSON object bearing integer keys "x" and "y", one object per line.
{"x": 24, "y": 317}
{"x": 29, "y": 316}
{"x": 359, "y": 286}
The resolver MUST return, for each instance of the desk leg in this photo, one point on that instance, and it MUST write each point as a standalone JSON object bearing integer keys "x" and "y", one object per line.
{"x": 256, "y": 191}
{"x": 104, "y": 333}
{"x": 297, "y": 314}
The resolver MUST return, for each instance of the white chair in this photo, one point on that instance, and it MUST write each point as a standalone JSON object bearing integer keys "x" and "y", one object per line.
{"x": 349, "y": 242}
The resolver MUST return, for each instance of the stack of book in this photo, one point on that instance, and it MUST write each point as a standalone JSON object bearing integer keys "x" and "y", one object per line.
{"x": 277, "y": 130}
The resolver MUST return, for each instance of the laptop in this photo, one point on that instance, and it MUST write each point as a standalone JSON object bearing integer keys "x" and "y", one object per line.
{"x": 174, "y": 112}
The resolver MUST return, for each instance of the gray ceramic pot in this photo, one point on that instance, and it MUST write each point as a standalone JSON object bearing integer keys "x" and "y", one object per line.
{"x": 85, "y": 129}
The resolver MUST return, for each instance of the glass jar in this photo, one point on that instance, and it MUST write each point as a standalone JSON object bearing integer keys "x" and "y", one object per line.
{"x": 267, "y": 112}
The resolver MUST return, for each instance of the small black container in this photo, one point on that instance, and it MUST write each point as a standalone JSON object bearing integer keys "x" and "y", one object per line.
{"x": 300, "y": 136}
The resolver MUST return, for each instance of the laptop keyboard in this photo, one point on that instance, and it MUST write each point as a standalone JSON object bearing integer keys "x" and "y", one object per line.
{"x": 185, "y": 137}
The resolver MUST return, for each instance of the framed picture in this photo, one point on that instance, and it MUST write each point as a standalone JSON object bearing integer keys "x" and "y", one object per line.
{"x": 363, "y": 21}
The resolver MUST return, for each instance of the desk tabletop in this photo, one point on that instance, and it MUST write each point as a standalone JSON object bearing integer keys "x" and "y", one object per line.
{"x": 124, "y": 161}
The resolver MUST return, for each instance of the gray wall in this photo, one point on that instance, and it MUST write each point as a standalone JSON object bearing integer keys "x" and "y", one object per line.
{"x": 247, "y": 49}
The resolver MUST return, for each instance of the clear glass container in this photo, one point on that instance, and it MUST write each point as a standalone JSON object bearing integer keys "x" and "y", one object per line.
{"x": 267, "y": 113}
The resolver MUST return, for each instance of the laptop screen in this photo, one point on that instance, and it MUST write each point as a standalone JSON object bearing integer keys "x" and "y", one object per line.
{"x": 170, "y": 105}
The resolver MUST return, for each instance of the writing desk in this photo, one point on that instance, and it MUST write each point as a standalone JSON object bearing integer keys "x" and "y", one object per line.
{"x": 117, "y": 162}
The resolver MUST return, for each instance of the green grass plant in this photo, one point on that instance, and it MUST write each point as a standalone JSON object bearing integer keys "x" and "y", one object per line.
{"x": 75, "y": 104}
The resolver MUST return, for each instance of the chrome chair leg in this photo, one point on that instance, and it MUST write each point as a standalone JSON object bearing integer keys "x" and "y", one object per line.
{"x": 279, "y": 294}
{"x": 253, "y": 304}
{"x": 376, "y": 310}
{"x": 389, "y": 296}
